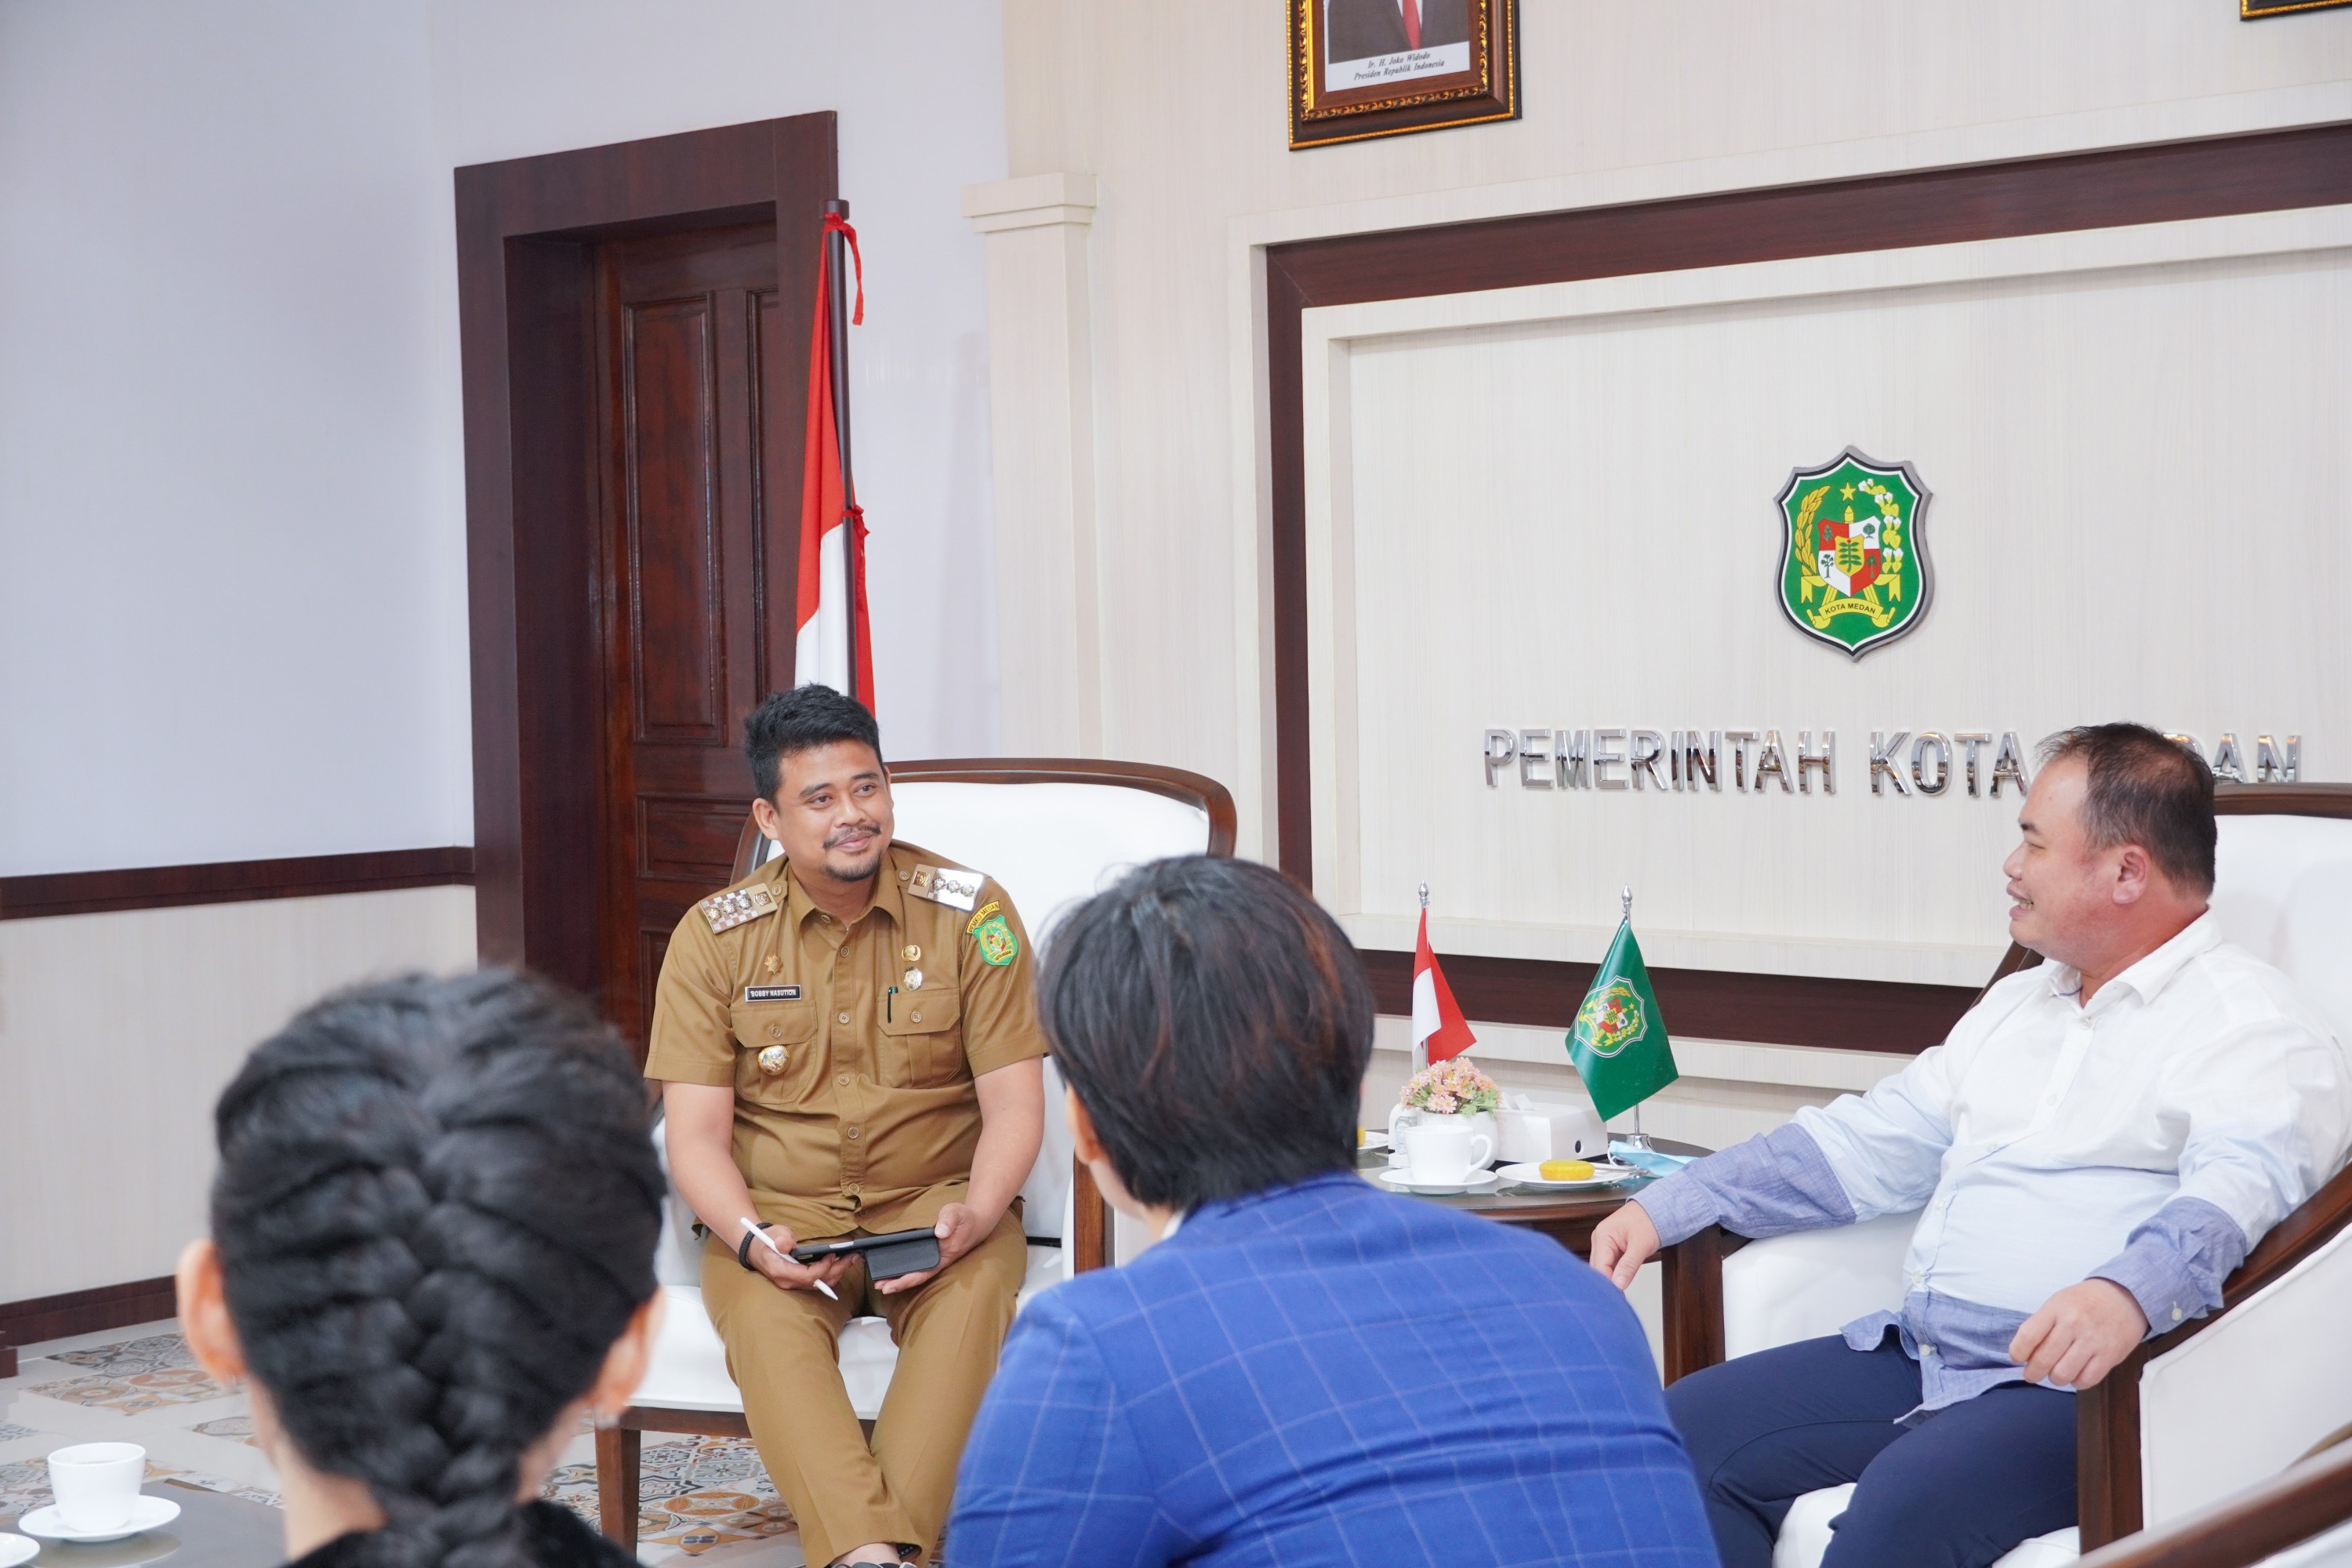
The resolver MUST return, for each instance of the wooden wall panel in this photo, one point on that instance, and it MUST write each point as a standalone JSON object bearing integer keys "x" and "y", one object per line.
{"x": 230, "y": 881}
{"x": 2216, "y": 176}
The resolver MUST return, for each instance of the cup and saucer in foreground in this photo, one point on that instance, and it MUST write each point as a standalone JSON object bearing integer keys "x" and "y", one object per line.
{"x": 147, "y": 1513}
{"x": 1410, "y": 1181}
{"x": 98, "y": 1496}
{"x": 1442, "y": 1157}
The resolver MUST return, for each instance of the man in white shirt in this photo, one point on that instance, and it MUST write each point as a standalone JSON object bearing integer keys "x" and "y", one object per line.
{"x": 2092, "y": 1151}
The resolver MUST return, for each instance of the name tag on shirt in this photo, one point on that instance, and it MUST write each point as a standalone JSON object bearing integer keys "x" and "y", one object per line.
{"x": 771, "y": 993}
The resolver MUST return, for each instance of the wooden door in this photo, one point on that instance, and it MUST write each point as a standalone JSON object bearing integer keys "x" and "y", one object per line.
{"x": 696, "y": 567}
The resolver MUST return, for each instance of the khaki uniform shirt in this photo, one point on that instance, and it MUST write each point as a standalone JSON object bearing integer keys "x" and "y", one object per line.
{"x": 863, "y": 1116}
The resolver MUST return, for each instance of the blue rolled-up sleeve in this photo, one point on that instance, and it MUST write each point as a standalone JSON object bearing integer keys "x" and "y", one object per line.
{"x": 2174, "y": 1261}
{"x": 1052, "y": 1474}
{"x": 1768, "y": 1186}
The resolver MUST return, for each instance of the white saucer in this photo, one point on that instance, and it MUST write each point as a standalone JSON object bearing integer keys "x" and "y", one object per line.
{"x": 1478, "y": 1182}
{"x": 147, "y": 1513}
{"x": 1604, "y": 1176}
{"x": 15, "y": 1548}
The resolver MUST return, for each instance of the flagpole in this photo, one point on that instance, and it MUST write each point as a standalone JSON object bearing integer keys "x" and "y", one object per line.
{"x": 836, "y": 264}
{"x": 1639, "y": 1141}
{"x": 1420, "y": 1051}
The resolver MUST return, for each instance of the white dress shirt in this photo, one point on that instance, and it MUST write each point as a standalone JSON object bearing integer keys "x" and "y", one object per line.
{"x": 2149, "y": 1137}
{"x": 2041, "y": 1132}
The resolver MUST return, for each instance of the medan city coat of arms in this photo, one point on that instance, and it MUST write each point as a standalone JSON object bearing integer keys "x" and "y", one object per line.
{"x": 1611, "y": 1019}
{"x": 1854, "y": 571}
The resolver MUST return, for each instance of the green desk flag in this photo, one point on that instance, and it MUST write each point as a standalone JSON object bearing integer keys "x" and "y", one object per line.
{"x": 1619, "y": 1040}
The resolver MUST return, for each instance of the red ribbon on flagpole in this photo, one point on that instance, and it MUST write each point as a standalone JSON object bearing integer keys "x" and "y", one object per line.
{"x": 836, "y": 223}
{"x": 828, "y": 497}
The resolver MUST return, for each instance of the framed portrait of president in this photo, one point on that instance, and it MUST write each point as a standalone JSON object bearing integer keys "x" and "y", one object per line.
{"x": 1383, "y": 68}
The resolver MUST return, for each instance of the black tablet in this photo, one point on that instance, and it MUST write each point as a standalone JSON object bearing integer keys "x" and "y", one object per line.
{"x": 887, "y": 1256}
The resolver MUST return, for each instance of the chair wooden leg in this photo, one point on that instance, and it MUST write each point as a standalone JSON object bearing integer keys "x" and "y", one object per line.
{"x": 1693, "y": 1301}
{"x": 1091, "y": 1221}
{"x": 618, "y": 1449}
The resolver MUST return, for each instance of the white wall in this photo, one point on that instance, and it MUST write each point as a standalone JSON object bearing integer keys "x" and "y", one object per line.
{"x": 919, "y": 88}
{"x": 232, "y": 586}
{"x": 232, "y": 522}
{"x": 1580, "y": 478}
{"x": 232, "y": 527}
{"x": 1178, "y": 113}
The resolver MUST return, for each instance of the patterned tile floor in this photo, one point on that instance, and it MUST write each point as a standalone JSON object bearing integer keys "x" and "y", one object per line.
{"x": 707, "y": 1499}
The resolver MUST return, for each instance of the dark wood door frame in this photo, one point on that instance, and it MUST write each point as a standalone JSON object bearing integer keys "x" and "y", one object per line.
{"x": 527, "y": 230}
{"x": 2264, "y": 171}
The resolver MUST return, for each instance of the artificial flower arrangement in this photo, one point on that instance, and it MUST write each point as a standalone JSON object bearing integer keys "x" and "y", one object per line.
{"x": 1450, "y": 1089}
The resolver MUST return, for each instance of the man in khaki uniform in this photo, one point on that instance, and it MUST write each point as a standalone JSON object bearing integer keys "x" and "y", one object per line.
{"x": 848, "y": 1045}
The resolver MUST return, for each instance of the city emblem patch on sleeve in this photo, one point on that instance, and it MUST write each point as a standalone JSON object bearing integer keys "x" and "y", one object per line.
{"x": 1853, "y": 569}
{"x": 997, "y": 942}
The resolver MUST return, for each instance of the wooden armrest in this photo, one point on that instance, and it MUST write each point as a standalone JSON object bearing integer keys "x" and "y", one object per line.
{"x": 2288, "y": 1509}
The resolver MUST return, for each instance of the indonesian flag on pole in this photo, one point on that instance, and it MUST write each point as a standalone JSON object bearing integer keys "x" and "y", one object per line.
{"x": 1439, "y": 1033}
{"x": 834, "y": 644}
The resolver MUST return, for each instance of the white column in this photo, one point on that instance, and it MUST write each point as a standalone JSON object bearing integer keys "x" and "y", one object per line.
{"x": 1040, "y": 411}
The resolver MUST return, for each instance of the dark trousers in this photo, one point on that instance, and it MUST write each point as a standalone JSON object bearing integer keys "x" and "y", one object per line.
{"x": 1955, "y": 1491}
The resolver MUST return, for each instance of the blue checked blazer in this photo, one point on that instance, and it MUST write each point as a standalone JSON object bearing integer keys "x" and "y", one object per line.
{"x": 1322, "y": 1374}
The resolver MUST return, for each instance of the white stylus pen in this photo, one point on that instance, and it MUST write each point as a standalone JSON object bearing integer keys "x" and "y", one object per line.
{"x": 753, "y": 1226}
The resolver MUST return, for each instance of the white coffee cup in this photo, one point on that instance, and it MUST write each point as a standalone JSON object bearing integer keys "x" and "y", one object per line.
{"x": 1440, "y": 1155}
{"x": 97, "y": 1483}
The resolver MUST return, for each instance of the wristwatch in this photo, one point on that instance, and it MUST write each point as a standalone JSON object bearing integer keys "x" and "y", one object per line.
{"x": 743, "y": 1247}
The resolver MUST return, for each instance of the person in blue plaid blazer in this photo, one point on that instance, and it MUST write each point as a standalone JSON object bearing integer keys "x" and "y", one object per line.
{"x": 1305, "y": 1371}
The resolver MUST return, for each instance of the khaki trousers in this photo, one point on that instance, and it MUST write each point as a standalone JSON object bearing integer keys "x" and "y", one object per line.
{"x": 783, "y": 1350}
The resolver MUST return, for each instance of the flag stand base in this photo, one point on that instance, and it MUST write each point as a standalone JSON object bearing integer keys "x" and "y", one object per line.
{"x": 1636, "y": 1141}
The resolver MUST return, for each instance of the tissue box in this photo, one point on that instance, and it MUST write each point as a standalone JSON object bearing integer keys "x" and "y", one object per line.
{"x": 1551, "y": 1133}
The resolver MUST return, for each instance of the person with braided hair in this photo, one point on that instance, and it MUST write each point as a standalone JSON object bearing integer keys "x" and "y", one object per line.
{"x": 433, "y": 1232}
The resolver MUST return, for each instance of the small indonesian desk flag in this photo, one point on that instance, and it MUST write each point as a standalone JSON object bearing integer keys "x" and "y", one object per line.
{"x": 833, "y": 644}
{"x": 1439, "y": 1033}
{"x": 1618, "y": 1042}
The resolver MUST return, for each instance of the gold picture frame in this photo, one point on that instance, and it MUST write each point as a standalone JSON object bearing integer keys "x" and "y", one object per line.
{"x": 1360, "y": 68}
{"x": 2255, "y": 10}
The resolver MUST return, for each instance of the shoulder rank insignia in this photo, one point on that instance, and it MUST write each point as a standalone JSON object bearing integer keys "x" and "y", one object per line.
{"x": 998, "y": 946}
{"x": 944, "y": 885}
{"x": 727, "y": 910}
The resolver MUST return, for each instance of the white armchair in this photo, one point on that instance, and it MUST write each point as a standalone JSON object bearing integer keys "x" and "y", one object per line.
{"x": 1051, "y": 832}
{"x": 2272, "y": 1371}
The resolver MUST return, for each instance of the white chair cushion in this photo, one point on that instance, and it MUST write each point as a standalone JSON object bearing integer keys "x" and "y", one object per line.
{"x": 688, "y": 1371}
{"x": 2283, "y": 890}
{"x": 1791, "y": 1287}
{"x": 1048, "y": 844}
{"x": 2275, "y": 1374}
{"x": 1805, "y": 1536}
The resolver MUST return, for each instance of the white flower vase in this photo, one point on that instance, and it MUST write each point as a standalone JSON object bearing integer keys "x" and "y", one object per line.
{"x": 1476, "y": 1122}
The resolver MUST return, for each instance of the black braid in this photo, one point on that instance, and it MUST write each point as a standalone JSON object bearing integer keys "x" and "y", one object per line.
{"x": 437, "y": 1208}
